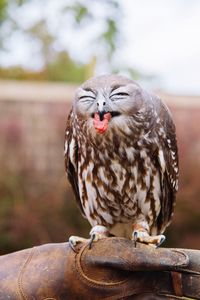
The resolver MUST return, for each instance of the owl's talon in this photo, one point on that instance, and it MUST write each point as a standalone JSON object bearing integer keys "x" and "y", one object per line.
{"x": 143, "y": 237}
{"x": 91, "y": 240}
{"x": 162, "y": 239}
{"x": 97, "y": 232}
{"x": 72, "y": 246}
{"x": 74, "y": 241}
{"x": 135, "y": 236}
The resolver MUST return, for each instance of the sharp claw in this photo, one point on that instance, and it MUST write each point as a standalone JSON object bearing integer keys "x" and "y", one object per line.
{"x": 91, "y": 240}
{"x": 74, "y": 241}
{"x": 96, "y": 233}
{"x": 72, "y": 245}
{"x": 163, "y": 238}
{"x": 135, "y": 236}
{"x": 143, "y": 237}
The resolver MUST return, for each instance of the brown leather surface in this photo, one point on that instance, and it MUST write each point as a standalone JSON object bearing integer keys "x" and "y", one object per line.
{"x": 112, "y": 269}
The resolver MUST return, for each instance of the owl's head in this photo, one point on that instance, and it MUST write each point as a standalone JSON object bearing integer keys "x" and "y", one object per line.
{"x": 105, "y": 100}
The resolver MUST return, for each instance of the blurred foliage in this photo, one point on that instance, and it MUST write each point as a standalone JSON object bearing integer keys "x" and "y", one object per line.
{"x": 109, "y": 35}
{"x": 62, "y": 68}
{"x": 4, "y": 7}
{"x": 65, "y": 69}
{"x": 84, "y": 15}
{"x": 80, "y": 12}
{"x": 57, "y": 63}
{"x": 3, "y": 10}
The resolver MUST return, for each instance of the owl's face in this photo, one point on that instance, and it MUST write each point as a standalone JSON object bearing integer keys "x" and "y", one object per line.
{"x": 107, "y": 99}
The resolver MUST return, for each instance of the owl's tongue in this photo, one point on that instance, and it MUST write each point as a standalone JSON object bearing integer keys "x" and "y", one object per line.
{"x": 99, "y": 125}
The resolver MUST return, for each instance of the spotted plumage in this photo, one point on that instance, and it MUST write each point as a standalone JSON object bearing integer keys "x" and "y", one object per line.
{"x": 121, "y": 155}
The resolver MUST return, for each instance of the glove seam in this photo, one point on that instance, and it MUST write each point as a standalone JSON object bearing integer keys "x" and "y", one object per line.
{"x": 21, "y": 291}
{"x": 187, "y": 260}
{"x": 89, "y": 280}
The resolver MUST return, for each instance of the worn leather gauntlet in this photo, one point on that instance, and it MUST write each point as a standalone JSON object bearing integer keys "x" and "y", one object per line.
{"x": 112, "y": 269}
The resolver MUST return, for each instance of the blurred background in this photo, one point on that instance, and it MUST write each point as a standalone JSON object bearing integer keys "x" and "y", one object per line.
{"x": 49, "y": 47}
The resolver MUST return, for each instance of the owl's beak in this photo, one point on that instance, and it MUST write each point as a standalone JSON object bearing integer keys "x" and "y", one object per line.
{"x": 101, "y": 114}
{"x": 101, "y": 108}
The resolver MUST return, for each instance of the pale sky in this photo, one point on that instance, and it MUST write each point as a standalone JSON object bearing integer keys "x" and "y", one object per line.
{"x": 161, "y": 38}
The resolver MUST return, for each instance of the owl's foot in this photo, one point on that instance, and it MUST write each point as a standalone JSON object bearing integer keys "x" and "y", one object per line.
{"x": 144, "y": 237}
{"x": 75, "y": 240}
{"x": 97, "y": 232}
{"x": 140, "y": 234}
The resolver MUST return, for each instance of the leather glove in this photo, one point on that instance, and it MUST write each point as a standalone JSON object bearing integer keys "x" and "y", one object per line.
{"x": 112, "y": 269}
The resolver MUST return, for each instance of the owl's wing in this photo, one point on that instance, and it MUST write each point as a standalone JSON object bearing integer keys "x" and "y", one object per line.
{"x": 71, "y": 158}
{"x": 168, "y": 166}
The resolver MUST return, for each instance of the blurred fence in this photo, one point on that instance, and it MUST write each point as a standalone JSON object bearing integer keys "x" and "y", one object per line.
{"x": 36, "y": 204}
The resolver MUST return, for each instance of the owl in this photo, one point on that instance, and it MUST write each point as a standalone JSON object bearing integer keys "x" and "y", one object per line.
{"x": 121, "y": 159}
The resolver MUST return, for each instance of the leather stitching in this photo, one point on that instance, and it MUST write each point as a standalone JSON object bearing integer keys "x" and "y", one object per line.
{"x": 89, "y": 280}
{"x": 21, "y": 291}
{"x": 183, "y": 263}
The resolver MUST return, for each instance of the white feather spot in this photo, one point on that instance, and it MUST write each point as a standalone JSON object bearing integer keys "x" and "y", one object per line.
{"x": 72, "y": 146}
{"x": 161, "y": 132}
{"x": 143, "y": 154}
{"x": 66, "y": 147}
{"x": 176, "y": 169}
{"x": 173, "y": 154}
{"x": 161, "y": 160}
{"x": 101, "y": 173}
{"x": 158, "y": 120}
{"x": 119, "y": 173}
{"x": 130, "y": 154}
{"x": 134, "y": 171}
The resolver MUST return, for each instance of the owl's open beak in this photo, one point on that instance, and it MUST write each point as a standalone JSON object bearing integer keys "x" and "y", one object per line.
{"x": 101, "y": 114}
{"x": 102, "y": 118}
{"x": 101, "y": 121}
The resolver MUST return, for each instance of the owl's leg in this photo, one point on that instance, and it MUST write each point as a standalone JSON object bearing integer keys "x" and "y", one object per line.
{"x": 141, "y": 234}
{"x": 97, "y": 232}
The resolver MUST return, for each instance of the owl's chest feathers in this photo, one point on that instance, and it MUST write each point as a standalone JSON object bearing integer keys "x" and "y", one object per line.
{"x": 114, "y": 178}
{"x": 119, "y": 168}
